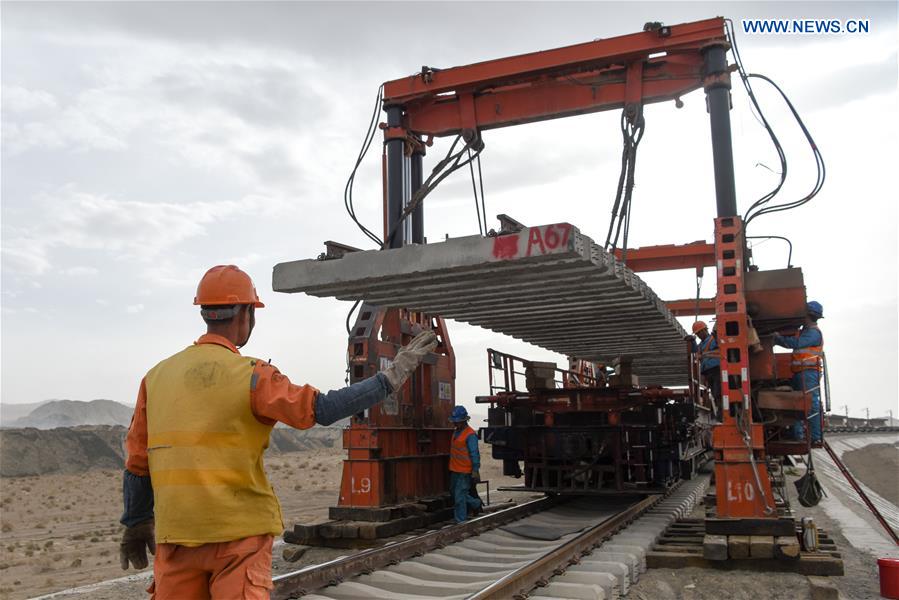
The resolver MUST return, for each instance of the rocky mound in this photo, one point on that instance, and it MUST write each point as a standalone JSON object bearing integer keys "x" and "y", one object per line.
{"x": 72, "y": 413}
{"x": 31, "y": 451}
{"x": 9, "y": 412}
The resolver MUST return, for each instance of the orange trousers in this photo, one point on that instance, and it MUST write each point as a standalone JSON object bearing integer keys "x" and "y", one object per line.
{"x": 241, "y": 569}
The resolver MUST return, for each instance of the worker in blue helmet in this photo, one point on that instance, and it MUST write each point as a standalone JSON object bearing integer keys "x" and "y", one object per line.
{"x": 464, "y": 465}
{"x": 806, "y": 363}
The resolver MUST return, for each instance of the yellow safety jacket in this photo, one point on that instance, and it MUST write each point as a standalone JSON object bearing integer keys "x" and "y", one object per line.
{"x": 205, "y": 449}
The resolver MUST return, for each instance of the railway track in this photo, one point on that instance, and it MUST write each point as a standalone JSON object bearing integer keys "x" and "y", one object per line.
{"x": 588, "y": 547}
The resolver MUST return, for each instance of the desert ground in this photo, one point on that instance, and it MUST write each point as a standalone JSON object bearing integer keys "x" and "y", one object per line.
{"x": 61, "y": 531}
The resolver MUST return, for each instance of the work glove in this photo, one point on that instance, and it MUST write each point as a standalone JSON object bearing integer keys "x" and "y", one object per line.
{"x": 135, "y": 541}
{"x": 475, "y": 476}
{"x": 409, "y": 358}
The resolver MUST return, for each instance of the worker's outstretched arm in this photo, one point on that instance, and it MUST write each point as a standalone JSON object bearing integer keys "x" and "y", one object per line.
{"x": 808, "y": 337}
{"x": 342, "y": 403}
{"x": 275, "y": 398}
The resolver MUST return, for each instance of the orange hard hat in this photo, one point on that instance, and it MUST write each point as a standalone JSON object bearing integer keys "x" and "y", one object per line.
{"x": 225, "y": 285}
{"x": 699, "y": 326}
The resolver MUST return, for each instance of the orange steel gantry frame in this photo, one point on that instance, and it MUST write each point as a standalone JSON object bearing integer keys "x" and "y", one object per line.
{"x": 658, "y": 64}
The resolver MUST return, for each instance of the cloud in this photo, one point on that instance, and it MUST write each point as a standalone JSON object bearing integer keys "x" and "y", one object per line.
{"x": 80, "y": 271}
{"x": 23, "y": 256}
{"x": 134, "y": 309}
{"x": 251, "y": 258}
{"x": 19, "y": 99}
{"x": 74, "y": 127}
{"x": 119, "y": 228}
{"x": 263, "y": 95}
{"x": 851, "y": 84}
{"x": 235, "y": 110}
{"x": 858, "y": 66}
{"x": 166, "y": 273}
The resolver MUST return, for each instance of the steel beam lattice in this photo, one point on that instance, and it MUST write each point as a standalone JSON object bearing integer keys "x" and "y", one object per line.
{"x": 548, "y": 285}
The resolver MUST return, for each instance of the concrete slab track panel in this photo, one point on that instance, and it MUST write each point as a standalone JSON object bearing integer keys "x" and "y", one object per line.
{"x": 549, "y": 285}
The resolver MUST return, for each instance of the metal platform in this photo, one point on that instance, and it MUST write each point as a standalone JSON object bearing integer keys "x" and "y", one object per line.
{"x": 548, "y": 285}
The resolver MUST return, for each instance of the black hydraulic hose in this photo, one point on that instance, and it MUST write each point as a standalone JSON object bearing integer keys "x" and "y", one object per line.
{"x": 776, "y": 237}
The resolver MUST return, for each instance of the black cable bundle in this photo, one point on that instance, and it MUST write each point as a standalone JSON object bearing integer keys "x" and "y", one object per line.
{"x": 759, "y": 207}
{"x": 366, "y": 144}
{"x": 632, "y": 133}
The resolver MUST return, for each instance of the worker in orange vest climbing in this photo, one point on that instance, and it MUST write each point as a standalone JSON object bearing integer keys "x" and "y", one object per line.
{"x": 195, "y": 490}
{"x": 464, "y": 465}
{"x": 806, "y": 363}
{"x": 710, "y": 358}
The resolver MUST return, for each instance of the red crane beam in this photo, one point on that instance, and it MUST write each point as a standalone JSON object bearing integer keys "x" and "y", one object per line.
{"x": 669, "y": 257}
{"x": 687, "y": 308}
{"x": 658, "y": 64}
{"x": 687, "y": 37}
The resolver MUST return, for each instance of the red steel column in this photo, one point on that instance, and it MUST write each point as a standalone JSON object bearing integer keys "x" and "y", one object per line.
{"x": 742, "y": 485}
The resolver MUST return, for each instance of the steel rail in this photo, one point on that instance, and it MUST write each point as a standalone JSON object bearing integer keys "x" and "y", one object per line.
{"x": 520, "y": 581}
{"x": 304, "y": 581}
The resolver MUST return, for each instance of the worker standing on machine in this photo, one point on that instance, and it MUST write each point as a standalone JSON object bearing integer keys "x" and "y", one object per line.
{"x": 710, "y": 359}
{"x": 808, "y": 349}
{"x": 464, "y": 465}
{"x": 194, "y": 478}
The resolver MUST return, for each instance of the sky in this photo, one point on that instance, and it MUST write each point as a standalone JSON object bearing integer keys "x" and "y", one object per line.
{"x": 143, "y": 143}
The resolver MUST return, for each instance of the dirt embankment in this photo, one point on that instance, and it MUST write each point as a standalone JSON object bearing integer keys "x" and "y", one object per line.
{"x": 68, "y": 450}
{"x": 29, "y": 451}
{"x": 876, "y": 466}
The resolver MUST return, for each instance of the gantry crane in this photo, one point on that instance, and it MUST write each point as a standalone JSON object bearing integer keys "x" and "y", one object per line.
{"x": 398, "y": 453}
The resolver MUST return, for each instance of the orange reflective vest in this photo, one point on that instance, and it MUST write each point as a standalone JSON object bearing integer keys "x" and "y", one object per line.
{"x": 460, "y": 461}
{"x": 708, "y": 348}
{"x": 808, "y": 358}
{"x": 205, "y": 449}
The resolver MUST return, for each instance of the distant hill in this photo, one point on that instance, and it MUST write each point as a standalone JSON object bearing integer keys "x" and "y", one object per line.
{"x": 29, "y": 452}
{"x": 9, "y": 413}
{"x": 73, "y": 413}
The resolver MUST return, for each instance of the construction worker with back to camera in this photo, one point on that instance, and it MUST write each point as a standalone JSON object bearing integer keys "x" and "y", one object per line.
{"x": 195, "y": 490}
{"x": 464, "y": 465}
{"x": 806, "y": 362}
